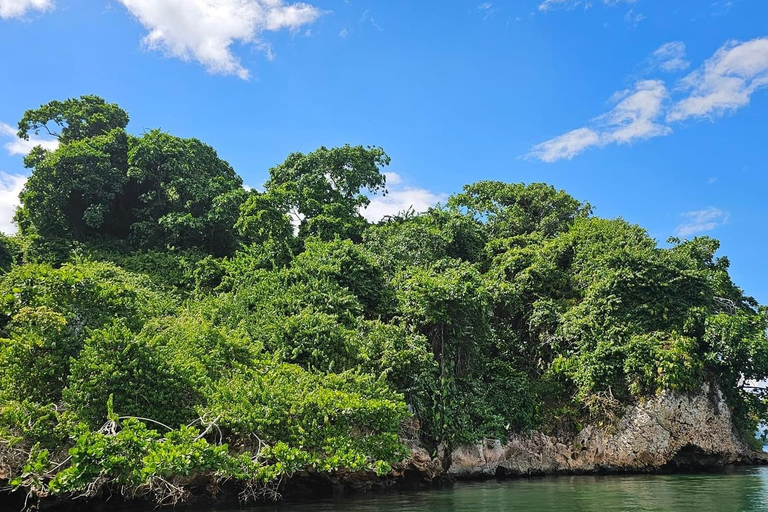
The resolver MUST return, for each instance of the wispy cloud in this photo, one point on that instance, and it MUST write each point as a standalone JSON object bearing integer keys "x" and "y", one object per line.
{"x": 721, "y": 7}
{"x": 19, "y": 146}
{"x": 343, "y": 33}
{"x": 701, "y": 221}
{"x": 725, "y": 82}
{"x": 204, "y": 30}
{"x": 486, "y": 8}
{"x": 368, "y": 18}
{"x": 400, "y": 198}
{"x": 19, "y": 8}
{"x": 634, "y": 18}
{"x": 551, "y": 5}
{"x": 635, "y": 117}
{"x": 10, "y": 187}
{"x": 670, "y": 57}
{"x": 566, "y": 146}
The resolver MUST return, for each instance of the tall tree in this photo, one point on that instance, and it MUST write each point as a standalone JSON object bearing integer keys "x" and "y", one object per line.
{"x": 512, "y": 209}
{"x": 74, "y": 119}
{"x": 324, "y": 190}
{"x": 155, "y": 190}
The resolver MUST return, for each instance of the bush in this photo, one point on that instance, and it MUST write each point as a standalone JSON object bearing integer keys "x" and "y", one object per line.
{"x": 145, "y": 379}
{"x": 342, "y": 421}
{"x": 47, "y": 314}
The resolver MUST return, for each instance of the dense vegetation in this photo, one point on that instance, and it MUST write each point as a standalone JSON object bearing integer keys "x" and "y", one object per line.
{"x": 161, "y": 323}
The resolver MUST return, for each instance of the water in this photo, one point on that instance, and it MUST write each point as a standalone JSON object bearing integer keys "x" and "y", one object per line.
{"x": 742, "y": 490}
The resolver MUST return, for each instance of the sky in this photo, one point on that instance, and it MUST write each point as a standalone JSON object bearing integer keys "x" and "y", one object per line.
{"x": 655, "y": 111}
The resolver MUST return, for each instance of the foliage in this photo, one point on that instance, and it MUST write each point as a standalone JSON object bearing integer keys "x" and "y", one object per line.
{"x": 160, "y": 324}
{"x": 142, "y": 378}
{"x": 512, "y": 209}
{"x": 76, "y": 119}
{"x": 324, "y": 189}
{"x": 46, "y": 315}
{"x": 339, "y": 420}
{"x": 155, "y": 190}
{"x": 407, "y": 240}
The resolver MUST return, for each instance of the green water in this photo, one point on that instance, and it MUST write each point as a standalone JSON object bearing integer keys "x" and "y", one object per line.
{"x": 745, "y": 489}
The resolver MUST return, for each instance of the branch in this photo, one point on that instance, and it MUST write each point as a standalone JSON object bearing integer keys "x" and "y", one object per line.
{"x": 144, "y": 419}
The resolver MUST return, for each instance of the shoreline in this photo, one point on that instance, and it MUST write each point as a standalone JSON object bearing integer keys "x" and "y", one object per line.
{"x": 666, "y": 434}
{"x": 302, "y": 489}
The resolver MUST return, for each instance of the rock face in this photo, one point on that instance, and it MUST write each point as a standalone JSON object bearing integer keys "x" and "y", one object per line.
{"x": 667, "y": 432}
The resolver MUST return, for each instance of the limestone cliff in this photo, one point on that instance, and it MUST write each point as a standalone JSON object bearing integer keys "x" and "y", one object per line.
{"x": 665, "y": 432}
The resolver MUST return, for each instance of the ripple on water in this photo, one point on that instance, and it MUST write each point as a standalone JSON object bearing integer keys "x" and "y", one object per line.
{"x": 744, "y": 490}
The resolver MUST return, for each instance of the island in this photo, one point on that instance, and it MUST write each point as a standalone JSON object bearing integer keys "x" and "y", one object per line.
{"x": 172, "y": 336}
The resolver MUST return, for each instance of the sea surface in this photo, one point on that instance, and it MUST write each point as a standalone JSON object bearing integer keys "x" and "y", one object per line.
{"x": 742, "y": 490}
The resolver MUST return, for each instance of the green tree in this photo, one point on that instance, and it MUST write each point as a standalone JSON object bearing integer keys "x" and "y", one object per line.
{"x": 511, "y": 209}
{"x": 324, "y": 190}
{"x": 155, "y": 190}
{"x": 409, "y": 239}
{"x": 446, "y": 303}
{"x": 74, "y": 119}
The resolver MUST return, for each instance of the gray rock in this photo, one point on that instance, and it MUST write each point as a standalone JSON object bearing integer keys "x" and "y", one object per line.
{"x": 668, "y": 431}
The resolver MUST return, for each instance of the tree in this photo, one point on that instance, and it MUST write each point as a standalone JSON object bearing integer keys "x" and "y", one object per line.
{"x": 404, "y": 240}
{"x": 151, "y": 191}
{"x": 47, "y": 313}
{"x": 75, "y": 119}
{"x": 75, "y": 192}
{"x": 183, "y": 193}
{"x": 446, "y": 303}
{"x": 324, "y": 190}
{"x": 511, "y": 209}
{"x": 263, "y": 220}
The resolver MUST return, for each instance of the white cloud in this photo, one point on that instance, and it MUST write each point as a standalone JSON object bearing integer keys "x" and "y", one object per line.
{"x": 565, "y": 146}
{"x": 700, "y": 221}
{"x": 10, "y": 187}
{"x": 399, "y": 199}
{"x": 550, "y": 5}
{"x": 19, "y": 8}
{"x": 633, "y": 118}
{"x": 393, "y": 178}
{"x": 633, "y": 18}
{"x": 725, "y": 82}
{"x": 367, "y": 18}
{"x": 343, "y": 33}
{"x": 22, "y": 147}
{"x": 487, "y": 9}
{"x": 205, "y": 30}
{"x": 670, "y": 57}
{"x": 721, "y": 7}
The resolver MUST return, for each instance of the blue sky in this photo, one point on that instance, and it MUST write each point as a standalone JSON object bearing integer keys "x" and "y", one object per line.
{"x": 651, "y": 110}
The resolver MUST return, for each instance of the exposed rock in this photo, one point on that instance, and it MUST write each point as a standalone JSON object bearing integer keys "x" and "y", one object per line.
{"x": 429, "y": 468}
{"x": 667, "y": 432}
